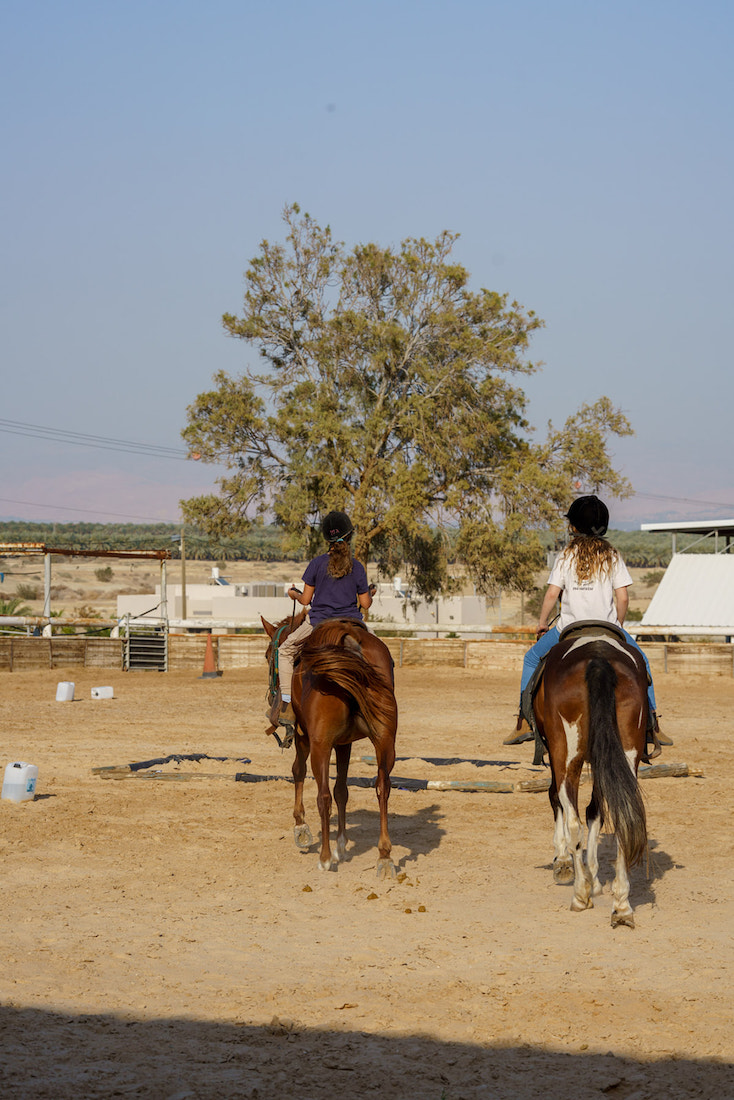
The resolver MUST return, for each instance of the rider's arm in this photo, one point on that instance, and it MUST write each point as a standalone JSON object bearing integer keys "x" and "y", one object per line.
{"x": 552, "y": 593}
{"x": 364, "y": 599}
{"x": 623, "y": 601}
{"x": 304, "y": 597}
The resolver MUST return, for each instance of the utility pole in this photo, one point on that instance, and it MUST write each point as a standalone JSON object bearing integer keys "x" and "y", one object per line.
{"x": 183, "y": 575}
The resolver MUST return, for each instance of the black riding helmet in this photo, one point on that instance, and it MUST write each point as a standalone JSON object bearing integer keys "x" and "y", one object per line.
{"x": 589, "y": 515}
{"x": 336, "y": 527}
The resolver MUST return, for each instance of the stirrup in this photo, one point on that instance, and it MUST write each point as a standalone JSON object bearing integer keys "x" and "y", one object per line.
{"x": 287, "y": 740}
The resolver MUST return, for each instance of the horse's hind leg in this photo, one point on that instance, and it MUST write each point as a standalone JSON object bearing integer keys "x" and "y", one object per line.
{"x": 562, "y": 862}
{"x": 320, "y": 760}
{"x": 568, "y": 795}
{"x": 593, "y": 825}
{"x": 621, "y": 909}
{"x": 341, "y": 797}
{"x": 385, "y": 752}
{"x": 301, "y": 832}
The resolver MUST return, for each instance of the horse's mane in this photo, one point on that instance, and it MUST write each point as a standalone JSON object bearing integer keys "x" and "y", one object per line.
{"x": 333, "y": 631}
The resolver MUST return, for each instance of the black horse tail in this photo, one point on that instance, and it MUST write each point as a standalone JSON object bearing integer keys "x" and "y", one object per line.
{"x": 620, "y": 798}
{"x": 345, "y": 669}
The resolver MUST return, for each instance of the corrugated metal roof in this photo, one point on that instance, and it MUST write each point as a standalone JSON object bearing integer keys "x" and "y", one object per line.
{"x": 697, "y": 591}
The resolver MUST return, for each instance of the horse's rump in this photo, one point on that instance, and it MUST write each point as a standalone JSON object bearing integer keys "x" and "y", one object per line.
{"x": 346, "y": 656}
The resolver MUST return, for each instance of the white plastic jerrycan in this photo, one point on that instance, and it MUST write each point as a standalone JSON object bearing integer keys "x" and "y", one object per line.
{"x": 19, "y": 784}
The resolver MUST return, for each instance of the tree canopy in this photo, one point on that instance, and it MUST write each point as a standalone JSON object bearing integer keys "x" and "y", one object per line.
{"x": 389, "y": 389}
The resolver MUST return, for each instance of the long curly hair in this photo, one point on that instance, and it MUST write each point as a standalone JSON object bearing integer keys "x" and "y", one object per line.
{"x": 592, "y": 556}
{"x": 340, "y": 559}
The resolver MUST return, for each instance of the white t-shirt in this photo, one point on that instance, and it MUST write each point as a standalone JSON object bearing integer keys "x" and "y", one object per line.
{"x": 590, "y": 599}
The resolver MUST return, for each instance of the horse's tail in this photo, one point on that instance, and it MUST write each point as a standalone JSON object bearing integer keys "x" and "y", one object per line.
{"x": 345, "y": 668}
{"x": 619, "y": 792}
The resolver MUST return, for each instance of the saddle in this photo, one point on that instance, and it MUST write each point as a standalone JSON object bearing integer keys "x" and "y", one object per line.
{"x": 591, "y": 626}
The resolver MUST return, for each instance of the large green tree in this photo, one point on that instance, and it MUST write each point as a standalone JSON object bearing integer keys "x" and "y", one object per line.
{"x": 388, "y": 388}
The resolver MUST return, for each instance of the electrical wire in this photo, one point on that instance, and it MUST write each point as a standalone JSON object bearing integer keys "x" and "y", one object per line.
{"x": 87, "y": 511}
{"x": 683, "y": 500}
{"x": 81, "y": 439}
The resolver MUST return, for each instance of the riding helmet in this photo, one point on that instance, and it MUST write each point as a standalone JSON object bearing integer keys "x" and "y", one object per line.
{"x": 589, "y": 515}
{"x": 336, "y": 526}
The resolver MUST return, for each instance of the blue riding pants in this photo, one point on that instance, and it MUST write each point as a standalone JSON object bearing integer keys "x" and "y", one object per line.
{"x": 546, "y": 642}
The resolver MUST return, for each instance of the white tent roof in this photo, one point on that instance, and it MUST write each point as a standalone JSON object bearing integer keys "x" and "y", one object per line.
{"x": 702, "y": 526}
{"x": 696, "y": 596}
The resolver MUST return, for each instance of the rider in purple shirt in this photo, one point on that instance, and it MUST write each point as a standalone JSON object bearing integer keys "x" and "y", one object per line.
{"x": 335, "y": 585}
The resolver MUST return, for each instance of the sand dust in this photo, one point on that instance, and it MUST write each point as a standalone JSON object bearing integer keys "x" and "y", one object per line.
{"x": 163, "y": 937}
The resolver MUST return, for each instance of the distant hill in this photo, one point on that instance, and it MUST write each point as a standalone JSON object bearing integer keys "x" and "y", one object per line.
{"x": 260, "y": 544}
{"x": 641, "y": 549}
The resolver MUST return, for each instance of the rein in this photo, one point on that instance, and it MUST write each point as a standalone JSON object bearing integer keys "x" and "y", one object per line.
{"x": 273, "y": 685}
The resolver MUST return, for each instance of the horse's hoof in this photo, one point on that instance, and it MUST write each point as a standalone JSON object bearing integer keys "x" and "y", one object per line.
{"x": 303, "y": 837}
{"x": 623, "y": 920}
{"x": 563, "y": 872}
{"x": 386, "y": 869}
{"x": 579, "y": 906}
{"x": 332, "y": 865}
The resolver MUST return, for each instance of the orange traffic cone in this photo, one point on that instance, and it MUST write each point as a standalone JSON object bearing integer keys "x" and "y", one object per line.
{"x": 210, "y": 669}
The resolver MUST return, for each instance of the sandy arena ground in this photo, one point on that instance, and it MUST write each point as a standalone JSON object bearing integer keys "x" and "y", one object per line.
{"x": 164, "y": 937}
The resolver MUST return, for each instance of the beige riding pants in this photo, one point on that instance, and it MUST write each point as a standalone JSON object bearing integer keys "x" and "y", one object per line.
{"x": 287, "y": 653}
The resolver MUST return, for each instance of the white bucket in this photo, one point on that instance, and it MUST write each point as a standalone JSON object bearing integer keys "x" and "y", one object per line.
{"x": 65, "y": 692}
{"x": 19, "y": 784}
{"x": 102, "y": 693}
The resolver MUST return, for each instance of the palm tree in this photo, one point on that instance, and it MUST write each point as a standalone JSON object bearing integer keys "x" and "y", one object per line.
{"x": 13, "y": 606}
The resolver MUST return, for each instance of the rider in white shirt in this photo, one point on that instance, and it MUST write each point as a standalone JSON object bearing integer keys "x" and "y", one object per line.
{"x": 591, "y": 580}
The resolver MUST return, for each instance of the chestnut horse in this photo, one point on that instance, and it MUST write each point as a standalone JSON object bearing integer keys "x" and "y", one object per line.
{"x": 343, "y": 690}
{"x": 591, "y": 706}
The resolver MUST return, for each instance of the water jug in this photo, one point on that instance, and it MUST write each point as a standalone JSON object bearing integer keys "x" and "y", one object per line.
{"x": 19, "y": 784}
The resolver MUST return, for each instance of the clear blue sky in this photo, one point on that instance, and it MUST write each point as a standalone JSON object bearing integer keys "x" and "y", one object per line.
{"x": 583, "y": 150}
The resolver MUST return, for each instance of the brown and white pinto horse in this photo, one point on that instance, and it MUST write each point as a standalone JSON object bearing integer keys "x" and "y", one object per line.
{"x": 343, "y": 690}
{"x": 592, "y": 707}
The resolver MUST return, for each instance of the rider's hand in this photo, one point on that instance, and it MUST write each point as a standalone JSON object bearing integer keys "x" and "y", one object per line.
{"x": 540, "y": 632}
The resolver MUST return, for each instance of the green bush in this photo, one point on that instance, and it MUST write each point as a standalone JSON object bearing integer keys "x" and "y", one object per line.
{"x": 104, "y": 574}
{"x": 27, "y": 591}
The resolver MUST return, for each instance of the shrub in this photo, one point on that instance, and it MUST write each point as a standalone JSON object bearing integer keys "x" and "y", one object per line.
{"x": 104, "y": 574}
{"x": 86, "y": 611}
{"x": 654, "y": 578}
{"x": 27, "y": 591}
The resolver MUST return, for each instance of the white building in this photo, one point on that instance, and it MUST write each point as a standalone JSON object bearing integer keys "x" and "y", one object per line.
{"x": 228, "y": 606}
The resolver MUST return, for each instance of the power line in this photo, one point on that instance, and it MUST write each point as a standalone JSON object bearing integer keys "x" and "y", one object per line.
{"x": 88, "y": 511}
{"x": 684, "y": 500}
{"x": 80, "y": 439}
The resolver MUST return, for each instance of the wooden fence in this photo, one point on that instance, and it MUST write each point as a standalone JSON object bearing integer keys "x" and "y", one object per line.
{"x": 233, "y": 651}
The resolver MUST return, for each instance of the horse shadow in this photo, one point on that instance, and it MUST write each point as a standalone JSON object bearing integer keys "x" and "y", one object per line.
{"x": 654, "y": 866}
{"x": 420, "y": 832}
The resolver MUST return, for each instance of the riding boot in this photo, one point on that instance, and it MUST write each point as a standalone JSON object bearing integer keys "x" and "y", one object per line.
{"x": 287, "y": 716}
{"x": 522, "y": 731}
{"x": 653, "y": 746}
{"x": 663, "y": 739}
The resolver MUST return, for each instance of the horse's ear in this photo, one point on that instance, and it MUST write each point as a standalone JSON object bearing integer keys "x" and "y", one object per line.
{"x": 268, "y": 627}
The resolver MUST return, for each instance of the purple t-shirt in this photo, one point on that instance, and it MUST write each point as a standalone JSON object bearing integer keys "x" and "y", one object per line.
{"x": 334, "y": 597}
